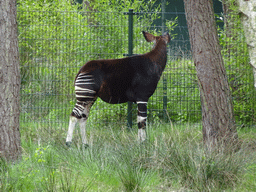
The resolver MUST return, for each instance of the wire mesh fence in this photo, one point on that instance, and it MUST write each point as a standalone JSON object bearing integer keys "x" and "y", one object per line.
{"x": 54, "y": 45}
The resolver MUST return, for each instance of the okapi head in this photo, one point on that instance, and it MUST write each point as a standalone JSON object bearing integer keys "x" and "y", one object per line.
{"x": 156, "y": 39}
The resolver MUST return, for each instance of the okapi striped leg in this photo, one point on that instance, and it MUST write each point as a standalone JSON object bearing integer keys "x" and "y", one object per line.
{"x": 71, "y": 127}
{"x": 82, "y": 123}
{"x": 80, "y": 113}
{"x": 141, "y": 120}
{"x": 85, "y": 96}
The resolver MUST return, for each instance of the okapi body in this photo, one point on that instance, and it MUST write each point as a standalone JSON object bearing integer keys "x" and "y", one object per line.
{"x": 117, "y": 81}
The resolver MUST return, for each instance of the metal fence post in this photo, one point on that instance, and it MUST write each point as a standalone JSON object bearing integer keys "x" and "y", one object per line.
{"x": 164, "y": 78}
{"x": 130, "y": 53}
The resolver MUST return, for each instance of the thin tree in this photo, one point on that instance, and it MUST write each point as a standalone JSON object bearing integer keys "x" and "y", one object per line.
{"x": 9, "y": 82}
{"x": 217, "y": 110}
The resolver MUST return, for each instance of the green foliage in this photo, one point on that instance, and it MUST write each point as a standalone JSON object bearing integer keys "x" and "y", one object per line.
{"x": 239, "y": 70}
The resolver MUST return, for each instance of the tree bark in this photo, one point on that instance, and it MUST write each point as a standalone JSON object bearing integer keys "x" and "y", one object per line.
{"x": 217, "y": 110}
{"x": 9, "y": 82}
{"x": 248, "y": 17}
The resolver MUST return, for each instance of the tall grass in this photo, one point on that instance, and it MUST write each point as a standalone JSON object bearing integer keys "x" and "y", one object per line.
{"x": 172, "y": 159}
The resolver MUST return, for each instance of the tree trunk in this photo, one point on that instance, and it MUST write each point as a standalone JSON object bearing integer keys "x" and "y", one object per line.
{"x": 9, "y": 82}
{"x": 217, "y": 110}
{"x": 248, "y": 17}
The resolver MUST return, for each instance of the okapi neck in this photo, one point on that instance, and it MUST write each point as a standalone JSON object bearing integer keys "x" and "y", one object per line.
{"x": 159, "y": 54}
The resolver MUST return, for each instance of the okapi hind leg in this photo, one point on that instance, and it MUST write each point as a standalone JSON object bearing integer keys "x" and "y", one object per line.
{"x": 141, "y": 120}
{"x": 80, "y": 113}
{"x": 86, "y": 95}
{"x": 83, "y": 120}
{"x": 71, "y": 127}
{"x": 82, "y": 123}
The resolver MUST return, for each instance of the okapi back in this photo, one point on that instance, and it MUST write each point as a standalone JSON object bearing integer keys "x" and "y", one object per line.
{"x": 128, "y": 79}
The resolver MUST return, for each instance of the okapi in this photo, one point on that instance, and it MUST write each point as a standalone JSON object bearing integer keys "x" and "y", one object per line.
{"x": 117, "y": 81}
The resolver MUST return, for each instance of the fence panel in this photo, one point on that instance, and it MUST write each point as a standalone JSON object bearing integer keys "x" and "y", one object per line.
{"x": 54, "y": 45}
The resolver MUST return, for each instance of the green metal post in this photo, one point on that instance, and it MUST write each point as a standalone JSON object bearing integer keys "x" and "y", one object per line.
{"x": 130, "y": 48}
{"x": 164, "y": 77}
{"x": 164, "y": 98}
{"x": 163, "y": 16}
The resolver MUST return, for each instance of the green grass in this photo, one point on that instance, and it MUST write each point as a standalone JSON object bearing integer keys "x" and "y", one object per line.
{"x": 172, "y": 159}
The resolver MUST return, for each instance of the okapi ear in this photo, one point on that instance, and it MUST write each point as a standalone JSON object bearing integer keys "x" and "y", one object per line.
{"x": 166, "y": 37}
{"x": 149, "y": 37}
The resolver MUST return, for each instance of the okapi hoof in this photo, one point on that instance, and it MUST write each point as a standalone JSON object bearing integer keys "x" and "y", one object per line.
{"x": 68, "y": 144}
{"x": 85, "y": 146}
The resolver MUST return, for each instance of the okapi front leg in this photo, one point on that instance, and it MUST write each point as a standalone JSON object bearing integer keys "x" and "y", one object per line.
{"x": 141, "y": 120}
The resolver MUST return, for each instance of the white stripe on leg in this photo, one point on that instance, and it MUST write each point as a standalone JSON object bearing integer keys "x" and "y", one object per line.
{"x": 141, "y": 102}
{"x": 141, "y": 119}
{"x": 71, "y": 127}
